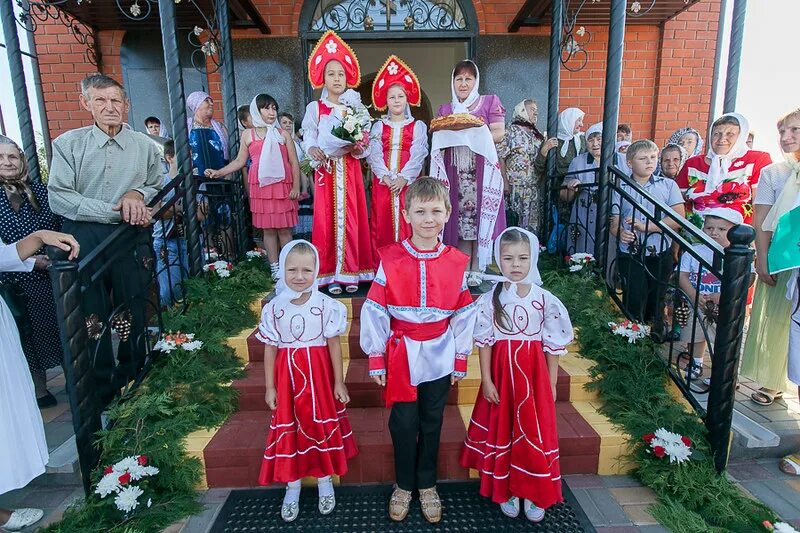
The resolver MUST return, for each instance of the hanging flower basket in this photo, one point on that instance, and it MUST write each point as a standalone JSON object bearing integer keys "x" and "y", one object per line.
{"x": 578, "y": 261}
{"x": 633, "y": 331}
{"x": 664, "y": 443}
{"x": 119, "y": 479}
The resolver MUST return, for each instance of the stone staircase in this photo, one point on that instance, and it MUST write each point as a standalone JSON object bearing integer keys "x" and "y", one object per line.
{"x": 232, "y": 453}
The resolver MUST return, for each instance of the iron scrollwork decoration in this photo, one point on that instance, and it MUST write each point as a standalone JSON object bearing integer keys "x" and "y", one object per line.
{"x": 388, "y": 15}
{"x": 206, "y": 47}
{"x": 34, "y": 13}
{"x": 575, "y": 39}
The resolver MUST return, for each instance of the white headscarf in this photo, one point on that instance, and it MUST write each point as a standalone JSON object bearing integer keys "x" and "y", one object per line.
{"x": 463, "y": 107}
{"x": 594, "y": 128}
{"x": 720, "y": 163}
{"x": 270, "y": 162}
{"x": 282, "y": 291}
{"x": 533, "y": 277}
{"x": 566, "y": 129}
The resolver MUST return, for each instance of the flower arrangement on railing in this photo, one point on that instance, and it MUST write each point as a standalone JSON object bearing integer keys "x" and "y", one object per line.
{"x": 178, "y": 341}
{"x": 665, "y": 443}
{"x": 578, "y": 261}
{"x": 119, "y": 479}
{"x": 221, "y": 268}
{"x": 633, "y": 331}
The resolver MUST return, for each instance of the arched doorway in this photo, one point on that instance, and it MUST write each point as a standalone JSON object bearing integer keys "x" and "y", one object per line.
{"x": 427, "y": 34}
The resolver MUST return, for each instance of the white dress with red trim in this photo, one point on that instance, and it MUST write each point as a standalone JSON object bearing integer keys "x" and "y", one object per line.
{"x": 514, "y": 444}
{"x": 309, "y": 434}
{"x": 340, "y": 229}
{"x": 396, "y": 149}
{"x": 417, "y": 321}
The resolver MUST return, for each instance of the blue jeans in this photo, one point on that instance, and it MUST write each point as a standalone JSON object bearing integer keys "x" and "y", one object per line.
{"x": 172, "y": 267}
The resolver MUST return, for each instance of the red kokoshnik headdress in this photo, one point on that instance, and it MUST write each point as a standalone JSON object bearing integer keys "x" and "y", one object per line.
{"x": 331, "y": 47}
{"x": 395, "y": 72}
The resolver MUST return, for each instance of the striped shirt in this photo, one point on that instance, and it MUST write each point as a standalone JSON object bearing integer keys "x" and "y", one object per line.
{"x": 91, "y": 171}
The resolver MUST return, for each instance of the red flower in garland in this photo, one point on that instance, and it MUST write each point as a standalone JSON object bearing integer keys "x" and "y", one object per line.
{"x": 108, "y": 470}
{"x": 635, "y": 327}
{"x": 212, "y": 267}
{"x": 659, "y": 451}
{"x": 125, "y": 478}
{"x": 142, "y": 460}
{"x": 649, "y": 437}
{"x": 687, "y": 441}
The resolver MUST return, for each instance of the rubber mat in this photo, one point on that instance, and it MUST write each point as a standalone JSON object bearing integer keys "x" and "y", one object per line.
{"x": 363, "y": 509}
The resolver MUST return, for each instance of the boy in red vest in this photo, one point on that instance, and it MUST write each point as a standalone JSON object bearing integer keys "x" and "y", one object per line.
{"x": 416, "y": 326}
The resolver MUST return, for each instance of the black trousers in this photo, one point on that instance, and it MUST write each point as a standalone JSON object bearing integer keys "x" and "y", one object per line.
{"x": 120, "y": 290}
{"x": 644, "y": 284}
{"x": 416, "y": 428}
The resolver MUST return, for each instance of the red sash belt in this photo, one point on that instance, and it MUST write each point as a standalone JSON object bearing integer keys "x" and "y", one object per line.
{"x": 398, "y": 377}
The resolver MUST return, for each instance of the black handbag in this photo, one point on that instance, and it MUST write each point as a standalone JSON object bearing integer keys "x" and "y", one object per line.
{"x": 17, "y": 302}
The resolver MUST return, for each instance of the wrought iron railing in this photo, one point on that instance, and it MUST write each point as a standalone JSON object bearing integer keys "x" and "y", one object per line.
{"x": 679, "y": 316}
{"x": 108, "y": 349}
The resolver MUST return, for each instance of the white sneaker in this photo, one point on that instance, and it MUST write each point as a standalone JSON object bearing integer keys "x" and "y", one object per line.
{"x": 533, "y": 513}
{"x": 22, "y": 518}
{"x": 511, "y": 507}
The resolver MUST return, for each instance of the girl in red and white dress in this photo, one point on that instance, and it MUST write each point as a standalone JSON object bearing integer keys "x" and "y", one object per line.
{"x": 512, "y": 438}
{"x": 309, "y": 434}
{"x": 397, "y": 152}
{"x": 340, "y": 230}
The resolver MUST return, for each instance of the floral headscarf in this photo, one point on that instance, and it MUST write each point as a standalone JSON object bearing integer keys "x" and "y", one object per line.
{"x": 676, "y": 137}
{"x": 521, "y": 118}
{"x": 672, "y": 146}
{"x": 193, "y": 102}
{"x": 18, "y": 185}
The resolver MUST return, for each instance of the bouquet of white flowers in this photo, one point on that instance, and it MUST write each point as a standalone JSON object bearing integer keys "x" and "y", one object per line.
{"x": 353, "y": 123}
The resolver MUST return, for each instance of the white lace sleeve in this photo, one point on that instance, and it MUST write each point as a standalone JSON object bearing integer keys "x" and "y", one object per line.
{"x": 557, "y": 332}
{"x": 375, "y": 157}
{"x": 310, "y": 126}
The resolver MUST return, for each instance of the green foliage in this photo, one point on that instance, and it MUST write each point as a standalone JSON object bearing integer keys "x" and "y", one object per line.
{"x": 632, "y": 382}
{"x": 183, "y": 392}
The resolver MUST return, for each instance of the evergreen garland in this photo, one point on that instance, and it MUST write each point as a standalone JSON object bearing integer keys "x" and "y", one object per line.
{"x": 633, "y": 385}
{"x": 182, "y": 393}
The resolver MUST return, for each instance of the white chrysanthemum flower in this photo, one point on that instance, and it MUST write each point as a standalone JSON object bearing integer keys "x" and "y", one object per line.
{"x": 678, "y": 452}
{"x": 192, "y": 346}
{"x": 575, "y": 268}
{"x": 125, "y": 465}
{"x": 138, "y": 472}
{"x": 128, "y": 498}
{"x": 224, "y": 273}
{"x": 667, "y": 436}
{"x": 108, "y": 485}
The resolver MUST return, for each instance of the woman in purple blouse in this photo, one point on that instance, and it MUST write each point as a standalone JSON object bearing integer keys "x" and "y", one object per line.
{"x": 468, "y": 159}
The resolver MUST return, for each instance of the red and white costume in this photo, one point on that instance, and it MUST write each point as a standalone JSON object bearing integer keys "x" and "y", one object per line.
{"x": 309, "y": 434}
{"x": 418, "y": 318}
{"x": 340, "y": 230}
{"x": 514, "y": 444}
{"x": 396, "y": 149}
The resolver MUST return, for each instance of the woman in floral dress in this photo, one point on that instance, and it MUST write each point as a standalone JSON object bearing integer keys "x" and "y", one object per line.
{"x": 517, "y": 154}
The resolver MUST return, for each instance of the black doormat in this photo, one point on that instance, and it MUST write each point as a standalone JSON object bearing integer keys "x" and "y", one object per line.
{"x": 364, "y": 509}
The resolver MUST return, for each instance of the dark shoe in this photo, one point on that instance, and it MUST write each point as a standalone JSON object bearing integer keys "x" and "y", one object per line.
{"x": 48, "y": 400}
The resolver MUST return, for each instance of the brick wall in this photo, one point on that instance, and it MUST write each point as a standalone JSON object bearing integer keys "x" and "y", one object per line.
{"x": 666, "y": 77}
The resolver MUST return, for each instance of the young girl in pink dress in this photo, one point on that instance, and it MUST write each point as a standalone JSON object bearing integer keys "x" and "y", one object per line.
{"x": 273, "y": 180}
{"x": 309, "y": 434}
{"x": 512, "y": 438}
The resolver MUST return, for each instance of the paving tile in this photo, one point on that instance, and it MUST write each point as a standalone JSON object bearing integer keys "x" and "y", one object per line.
{"x": 215, "y": 496}
{"x": 605, "y": 511}
{"x": 639, "y": 514}
{"x": 617, "y": 529}
{"x": 794, "y": 484}
{"x": 749, "y": 471}
{"x": 620, "y": 481}
{"x": 45, "y": 497}
{"x": 585, "y": 481}
{"x": 201, "y": 523}
{"x": 771, "y": 465}
{"x": 633, "y": 495}
{"x": 653, "y": 529}
{"x": 785, "y": 503}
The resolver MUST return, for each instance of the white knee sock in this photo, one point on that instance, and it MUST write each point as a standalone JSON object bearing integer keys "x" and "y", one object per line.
{"x": 292, "y": 492}
{"x": 325, "y": 486}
